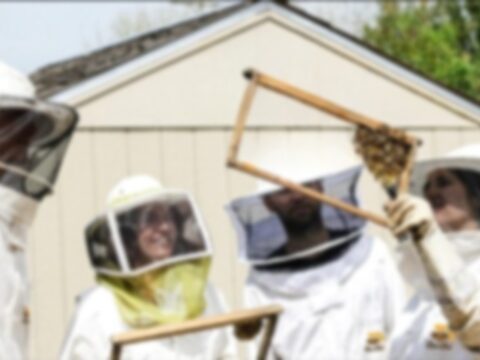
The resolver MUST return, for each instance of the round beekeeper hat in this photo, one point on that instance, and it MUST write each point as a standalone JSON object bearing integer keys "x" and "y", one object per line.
{"x": 17, "y": 93}
{"x": 34, "y": 135}
{"x": 301, "y": 171}
{"x": 464, "y": 158}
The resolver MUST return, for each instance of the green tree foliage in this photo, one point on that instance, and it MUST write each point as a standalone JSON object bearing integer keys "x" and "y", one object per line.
{"x": 440, "y": 39}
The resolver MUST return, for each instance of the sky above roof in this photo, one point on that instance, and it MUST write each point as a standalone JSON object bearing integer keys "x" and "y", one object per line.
{"x": 34, "y": 34}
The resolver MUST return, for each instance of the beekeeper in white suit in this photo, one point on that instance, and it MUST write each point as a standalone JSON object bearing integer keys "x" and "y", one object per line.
{"x": 442, "y": 321}
{"x": 149, "y": 272}
{"x": 34, "y": 135}
{"x": 338, "y": 285}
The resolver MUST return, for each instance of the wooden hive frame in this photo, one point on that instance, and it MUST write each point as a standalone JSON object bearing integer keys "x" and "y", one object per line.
{"x": 236, "y": 318}
{"x": 260, "y": 79}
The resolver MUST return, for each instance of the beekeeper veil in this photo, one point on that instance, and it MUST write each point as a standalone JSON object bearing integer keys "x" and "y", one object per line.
{"x": 34, "y": 136}
{"x": 152, "y": 251}
{"x": 451, "y": 184}
{"x": 145, "y": 228}
{"x": 277, "y": 226}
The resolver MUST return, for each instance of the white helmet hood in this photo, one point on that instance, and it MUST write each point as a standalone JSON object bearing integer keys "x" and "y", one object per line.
{"x": 15, "y": 84}
{"x": 464, "y": 158}
{"x": 34, "y": 136}
{"x": 300, "y": 171}
{"x": 132, "y": 187}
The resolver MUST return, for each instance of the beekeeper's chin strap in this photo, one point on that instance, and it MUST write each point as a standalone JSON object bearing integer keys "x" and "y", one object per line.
{"x": 167, "y": 295}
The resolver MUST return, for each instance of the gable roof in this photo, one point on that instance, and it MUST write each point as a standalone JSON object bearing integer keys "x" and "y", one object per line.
{"x": 57, "y": 77}
{"x": 75, "y": 75}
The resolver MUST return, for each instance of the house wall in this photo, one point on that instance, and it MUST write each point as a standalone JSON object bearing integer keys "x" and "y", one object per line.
{"x": 172, "y": 120}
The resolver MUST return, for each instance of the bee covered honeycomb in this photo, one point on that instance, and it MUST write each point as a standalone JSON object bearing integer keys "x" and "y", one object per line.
{"x": 384, "y": 154}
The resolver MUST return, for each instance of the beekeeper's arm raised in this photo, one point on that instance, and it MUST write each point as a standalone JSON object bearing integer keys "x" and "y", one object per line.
{"x": 456, "y": 288}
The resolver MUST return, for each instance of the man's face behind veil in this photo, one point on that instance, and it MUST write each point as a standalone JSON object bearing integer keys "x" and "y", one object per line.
{"x": 295, "y": 210}
{"x": 16, "y": 134}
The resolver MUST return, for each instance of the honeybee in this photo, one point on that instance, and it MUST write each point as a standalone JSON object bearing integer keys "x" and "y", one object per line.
{"x": 384, "y": 155}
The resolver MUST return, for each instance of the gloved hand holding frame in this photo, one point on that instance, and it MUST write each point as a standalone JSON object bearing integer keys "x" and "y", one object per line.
{"x": 386, "y": 144}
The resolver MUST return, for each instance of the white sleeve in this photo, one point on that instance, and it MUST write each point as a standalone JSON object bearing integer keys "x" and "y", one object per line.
{"x": 456, "y": 288}
{"x": 395, "y": 291}
{"x": 84, "y": 340}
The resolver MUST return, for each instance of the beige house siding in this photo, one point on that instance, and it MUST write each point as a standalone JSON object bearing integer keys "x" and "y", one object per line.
{"x": 171, "y": 118}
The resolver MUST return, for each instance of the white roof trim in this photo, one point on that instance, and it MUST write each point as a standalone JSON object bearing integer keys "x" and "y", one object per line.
{"x": 84, "y": 91}
{"x": 175, "y": 48}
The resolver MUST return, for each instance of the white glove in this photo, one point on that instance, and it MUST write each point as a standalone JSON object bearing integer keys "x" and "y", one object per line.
{"x": 455, "y": 287}
{"x": 410, "y": 214}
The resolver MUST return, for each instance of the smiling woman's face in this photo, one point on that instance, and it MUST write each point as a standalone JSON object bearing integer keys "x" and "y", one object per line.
{"x": 450, "y": 201}
{"x": 158, "y": 233}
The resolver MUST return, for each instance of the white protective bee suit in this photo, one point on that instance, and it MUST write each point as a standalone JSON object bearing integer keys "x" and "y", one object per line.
{"x": 98, "y": 315}
{"x": 442, "y": 320}
{"x": 17, "y": 212}
{"x": 341, "y": 298}
{"x": 33, "y": 138}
